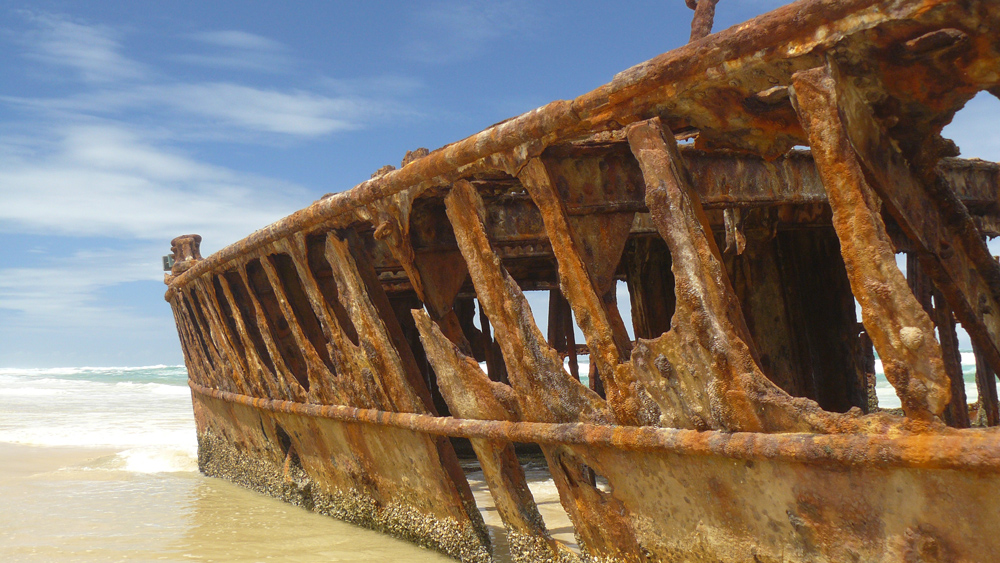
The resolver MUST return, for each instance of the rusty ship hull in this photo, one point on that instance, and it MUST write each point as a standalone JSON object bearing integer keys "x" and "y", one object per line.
{"x": 750, "y": 190}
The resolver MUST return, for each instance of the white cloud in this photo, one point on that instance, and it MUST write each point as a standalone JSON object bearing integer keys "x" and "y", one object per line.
{"x": 106, "y": 180}
{"x": 240, "y": 50}
{"x": 214, "y": 109}
{"x": 293, "y": 113}
{"x": 95, "y": 52}
{"x": 64, "y": 292}
{"x": 220, "y": 109}
{"x": 235, "y": 39}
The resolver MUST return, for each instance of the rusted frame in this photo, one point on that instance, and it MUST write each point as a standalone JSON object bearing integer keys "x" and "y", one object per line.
{"x": 790, "y": 34}
{"x": 234, "y": 363}
{"x": 376, "y": 368}
{"x": 284, "y": 378}
{"x": 198, "y": 368}
{"x": 986, "y": 383}
{"x": 350, "y": 386}
{"x": 704, "y": 17}
{"x": 471, "y": 394}
{"x": 536, "y": 372}
{"x": 541, "y": 386}
{"x": 702, "y": 372}
{"x": 203, "y": 341}
{"x": 608, "y": 341}
{"x": 316, "y": 371}
{"x": 266, "y": 380}
{"x": 368, "y": 375}
{"x": 435, "y": 279}
{"x": 949, "y": 245}
{"x": 899, "y": 326}
{"x": 201, "y": 332}
{"x": 956, "y": 412}
{"x": 561, "y": 329}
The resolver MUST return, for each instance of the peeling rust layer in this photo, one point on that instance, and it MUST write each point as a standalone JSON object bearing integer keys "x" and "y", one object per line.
{"x": 335, "y": 356}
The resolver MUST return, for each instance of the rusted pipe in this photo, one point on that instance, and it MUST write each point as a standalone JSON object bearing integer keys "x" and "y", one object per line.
{"x": 976, "y": 450}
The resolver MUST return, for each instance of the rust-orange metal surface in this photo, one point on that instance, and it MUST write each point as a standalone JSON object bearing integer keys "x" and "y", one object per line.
{"x": 336, "y": 356}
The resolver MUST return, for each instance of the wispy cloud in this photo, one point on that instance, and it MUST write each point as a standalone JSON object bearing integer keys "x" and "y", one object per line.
{"x": 293, "y": 112}
{"x": 225, "y": 106}
{"x": 63, "y": 291}
{"x": 453, "y": 30}
{"x": 93, "y": 51}
{"x": 241, "y": 40}
{"x": 238, "y": 50}
{"x": 115, "y": 86}
{"x": 104, "y": 179}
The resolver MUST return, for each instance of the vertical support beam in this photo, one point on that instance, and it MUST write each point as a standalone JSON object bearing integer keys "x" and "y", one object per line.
{"x": 234, "y": 360}
{"x": 957, "y": 412}
{"x": 769, "y": 306}
{"x": 691, "y": 371}
{"x": 608, "y": 342}
{"x": 384, "y": 351}
{"x": 704, "y": 17}
{"x": 494, "y": 356}
{"x": 897, "y": 323}
{"x": 313, "y": 363}
{"x": 260, "y": 370}
{"x": 650, "y": 286}
{"x": 921, "y": 285}
{"x": 202, "y": 330}
{"x": 866, "y": 354}
{"x": 198, "y": 369}
{"x": 825, "y": 330}
{"x": 436, "y": 277}
{"x": 260, "y": 320}
{"x": 349, "y": 387}
{"x": 562, "y": 337}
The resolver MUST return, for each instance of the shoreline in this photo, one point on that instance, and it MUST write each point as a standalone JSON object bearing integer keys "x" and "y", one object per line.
{"x": 23, "y": 461}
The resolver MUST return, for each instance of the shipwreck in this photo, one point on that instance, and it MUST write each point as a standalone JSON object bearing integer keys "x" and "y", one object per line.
{"x": 750, "y": 188}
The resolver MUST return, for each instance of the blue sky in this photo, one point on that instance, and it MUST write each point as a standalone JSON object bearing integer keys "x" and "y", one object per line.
{"x": 123, "y": 125}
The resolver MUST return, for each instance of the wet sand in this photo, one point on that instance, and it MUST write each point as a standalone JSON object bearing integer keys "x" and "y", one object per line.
{"x": 75, "y": 504}
{"x": 64, "y": 504}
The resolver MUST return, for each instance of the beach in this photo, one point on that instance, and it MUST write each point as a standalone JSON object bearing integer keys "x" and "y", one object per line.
{"x": 100, "y": 464}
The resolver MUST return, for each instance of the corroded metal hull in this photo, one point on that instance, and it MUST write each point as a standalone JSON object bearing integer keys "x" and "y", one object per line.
{"x": 335, "y": 355}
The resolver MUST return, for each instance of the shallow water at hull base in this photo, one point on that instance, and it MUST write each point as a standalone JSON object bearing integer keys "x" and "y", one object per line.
{"x": 60, "y": 505}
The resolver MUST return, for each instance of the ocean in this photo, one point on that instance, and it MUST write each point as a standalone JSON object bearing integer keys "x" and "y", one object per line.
{"x": 100, "y": 464}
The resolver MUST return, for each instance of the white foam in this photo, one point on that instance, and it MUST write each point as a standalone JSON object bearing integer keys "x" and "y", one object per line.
{"x": 968, "y": 359}
{"x": 151, "y": 422}
{"x": 158, "y": 460}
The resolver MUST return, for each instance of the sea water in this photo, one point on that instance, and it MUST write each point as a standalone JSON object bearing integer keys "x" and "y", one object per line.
{"x": 101, "y": 465}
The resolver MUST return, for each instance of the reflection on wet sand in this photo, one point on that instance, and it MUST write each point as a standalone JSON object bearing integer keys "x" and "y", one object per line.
{"x": 73, "y": 504}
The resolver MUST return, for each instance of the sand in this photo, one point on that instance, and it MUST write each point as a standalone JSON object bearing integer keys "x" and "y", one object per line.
{"x": 76, "y": 504}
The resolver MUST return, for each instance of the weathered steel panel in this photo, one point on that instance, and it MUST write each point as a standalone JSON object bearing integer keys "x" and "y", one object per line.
{"x": 323, "y": 349}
